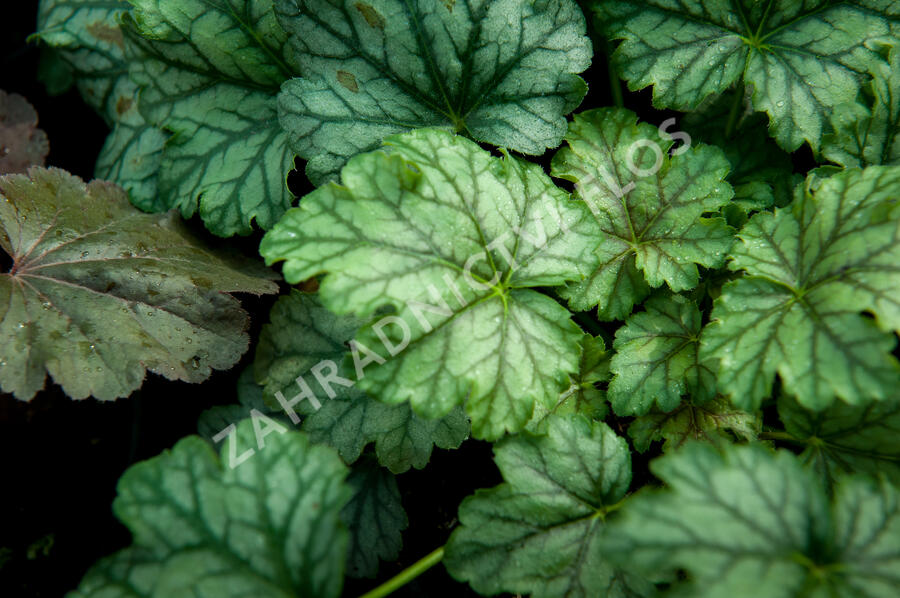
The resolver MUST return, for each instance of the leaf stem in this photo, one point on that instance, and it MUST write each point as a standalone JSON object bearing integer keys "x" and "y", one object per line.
{"x": 615, "y": 85}
{"x": 781, "y": 436}
{"x": 407, "y": 575}
{"x": 735, "y": 110}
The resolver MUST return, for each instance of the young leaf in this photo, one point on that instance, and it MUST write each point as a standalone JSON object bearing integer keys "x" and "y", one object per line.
{"x": 538, "y": 533}
{"x": 269, "y": 527}
{"x": 846, "y": 438}
{"x": 502, "y": 72}
{"x": 808, "y": 273}
{"x": 802, "y": 59}
{"x": 452, "y": 239}
{"x": 303, "y": 334}
{"x": 582, "y": 395}
{"x": 85, "y": 36}
{"x": 751, "y": 523}
{"x": 715, "y": 421}
{"x": 375, "y": 518}
{"x": 869, "y": 135}
{"x": 99, "y": 293}
{"x": 212, "y": 81}
{"x": 648, "y": 229}
{"x": 656, "y": 359}
{"x": 22, "y": 144}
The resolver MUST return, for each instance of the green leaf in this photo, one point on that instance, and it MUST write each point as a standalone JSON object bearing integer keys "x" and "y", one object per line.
{"x": 802, "y": 59}
{"x": 539, "y": 532}
{"x": 751, "y": 523}
{"x": 869, "y": 134}
{"x": 582, "y": 395}
{"x": 649, "y": 229}
{"x": 99, "y": 293}
{"x": 715, "y": 421}
{"x": 132, "y": 157}
{"x": 761, "y": 172}
{"x": 808, "y": 273}
{"x": 269, "y": 527}
{"x": 845, "y": 438}
{"x": 451, "y": 239}
{"x": 503, "y": 72}
{"x": 85, "y": 37}
{"x": 85, "y": 34}
{"x": 22, "y": 144}
{"x": 375, "y": 518}
{"x": 303, "y": 334}
{"x": 656, "y": 359}
{"x": 212, "y": 83}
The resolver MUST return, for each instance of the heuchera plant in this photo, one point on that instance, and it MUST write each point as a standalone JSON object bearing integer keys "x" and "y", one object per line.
{"x": 583, "y": 290}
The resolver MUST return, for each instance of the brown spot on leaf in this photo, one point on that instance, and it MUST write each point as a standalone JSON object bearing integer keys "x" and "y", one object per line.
{"x": 372, "y": 16}
{"x": 106, "y": 33}
{"x": 449, "y": 4}
{"x": 348, "y": 81}
{"x": 124, "y": 105}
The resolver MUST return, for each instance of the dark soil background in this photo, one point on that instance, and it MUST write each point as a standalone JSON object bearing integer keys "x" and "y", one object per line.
{"x": 61, "y": 458}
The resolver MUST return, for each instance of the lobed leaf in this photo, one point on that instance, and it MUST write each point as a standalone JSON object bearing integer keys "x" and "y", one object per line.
{"x": 582, "y": 395}
{"x": 451, "y": 240}
{"x": 715, "y": 421}
{"x": 301, "y": 335}
{"x": 656, "y": 359}
{"x": 869, "y": 134}
{"x": 86, "y": 39}
{"x": 648, "y": 208}
{"x": 99, "y": 293}
{"x": 209, "y": 73}
{"x": 269, "y": 527}
{"x": 846, "y": 438}
{"x": 503, "y": 72}
{"x": 808, "y": 273}
{"x": 748, "y": 523}
{"x": 539, "y": 532}
{"x": 801, "y": 59}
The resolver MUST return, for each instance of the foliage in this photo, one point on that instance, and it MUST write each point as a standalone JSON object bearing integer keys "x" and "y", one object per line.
{"x": 22, "y": 144}
{"x": 680, "y": 333}
{"x": 99, "y": 293}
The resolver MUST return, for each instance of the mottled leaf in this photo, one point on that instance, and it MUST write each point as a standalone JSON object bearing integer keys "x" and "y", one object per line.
{"x": 648, "y": 209}
{"x": 452, "y": 240}
{"x": 582, "y": 395}
{"x": 269, "y": 527}
{"x": 846, "y": 438}
{"x": 750, "y": 523}
{"x": 801, "y": 59}
{"x": 808, "y": 273}
{"x": 85, "y": 38}
{"x": 500, "y": 71}
{"x": 539, "y": 532}
{"x": 209, "y": 74}
{"x": 868, "y": 134}
{"x": 656, "y": 359}
{"x": 715, "y": 421}
{"x": 302, "y": 335}
{"x": 99, "y": 293}
{"x": 375, "y": 518}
